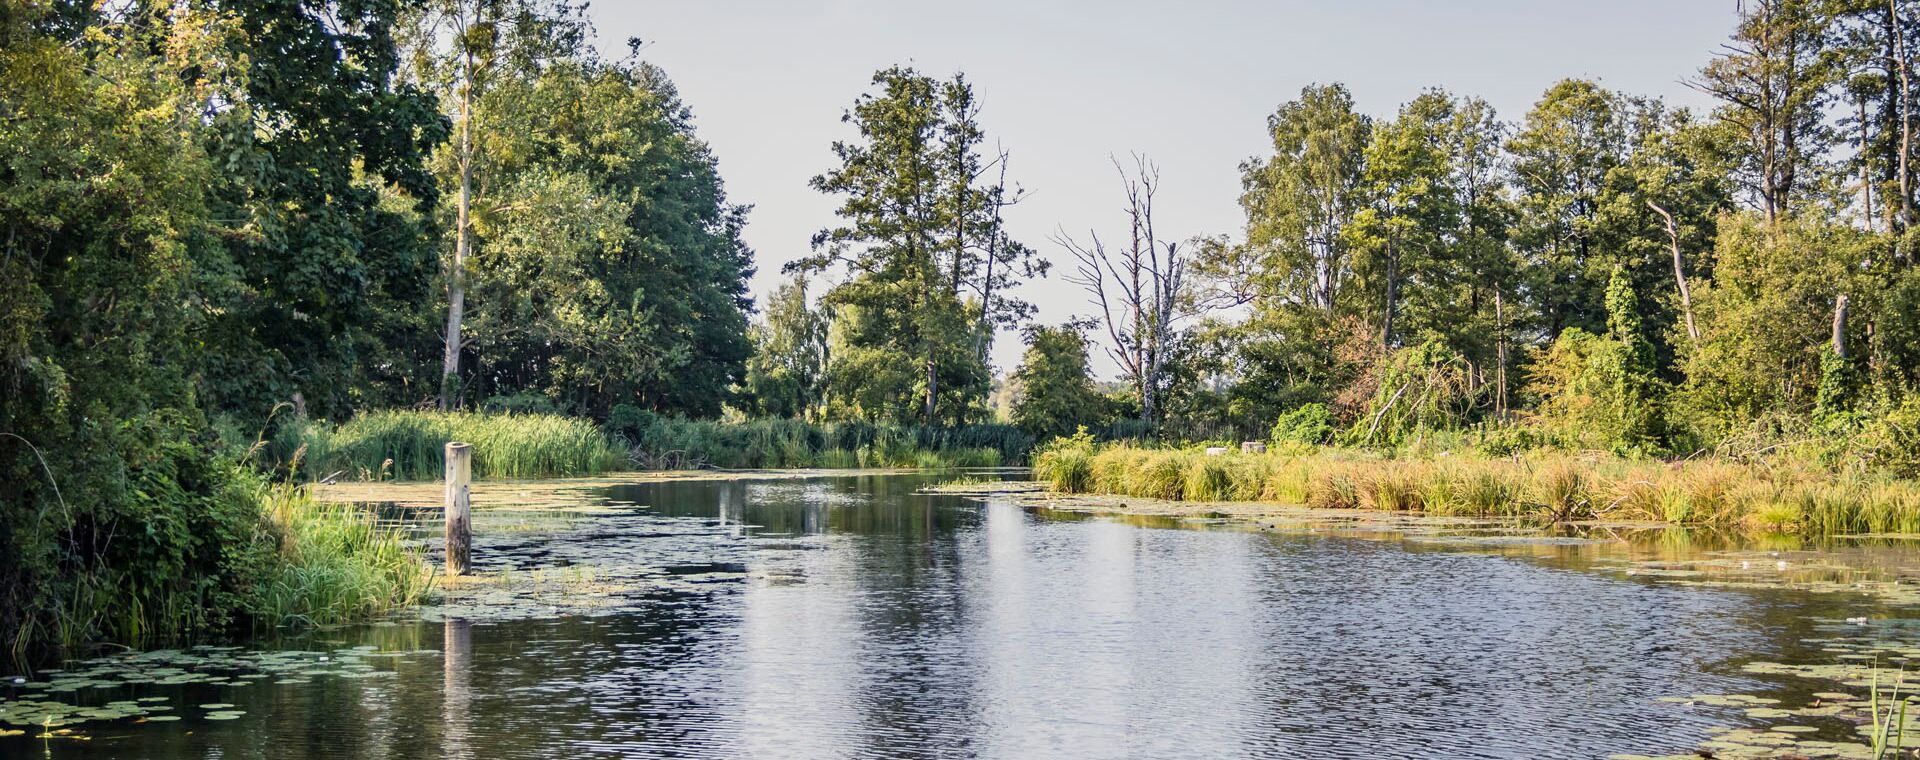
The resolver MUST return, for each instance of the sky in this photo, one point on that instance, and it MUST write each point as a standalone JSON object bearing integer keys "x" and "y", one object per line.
{"x": 1065, "y": 86}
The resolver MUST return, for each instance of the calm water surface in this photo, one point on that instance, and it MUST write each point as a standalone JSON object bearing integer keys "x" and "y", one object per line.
{"x": 850, "y": 617}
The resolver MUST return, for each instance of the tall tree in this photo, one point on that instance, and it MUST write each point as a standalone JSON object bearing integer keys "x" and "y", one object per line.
{"x": 1300, "y": 200}
{"x": 607, "y": 264}
{"x": 921, "y": 231}
{"x": 460, "y": 49}
{"x": 1773, "y": 84}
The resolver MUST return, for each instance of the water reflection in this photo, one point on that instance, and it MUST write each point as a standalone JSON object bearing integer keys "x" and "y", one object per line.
{"x": 871, "y": 621}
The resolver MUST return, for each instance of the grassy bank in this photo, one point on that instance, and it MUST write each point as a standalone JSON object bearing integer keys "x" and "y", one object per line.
{"x": 1784, "y": 497}
{"x": 332, "y": 563}
{"x": 673, "y": 443}
{"x": 408, "y": 445}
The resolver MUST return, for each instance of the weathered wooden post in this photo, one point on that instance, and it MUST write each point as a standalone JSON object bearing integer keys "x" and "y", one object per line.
{"x": 459, "y": 508}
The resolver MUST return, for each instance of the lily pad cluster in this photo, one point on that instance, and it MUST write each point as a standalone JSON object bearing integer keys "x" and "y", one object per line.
{"x": 55, "y": 699}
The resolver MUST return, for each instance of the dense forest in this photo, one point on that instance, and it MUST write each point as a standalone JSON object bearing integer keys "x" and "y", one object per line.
{"x": 224, "y": 221}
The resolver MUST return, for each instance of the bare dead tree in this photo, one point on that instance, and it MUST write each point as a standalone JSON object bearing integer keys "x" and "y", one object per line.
{"x": 1136, "y": 287}
{"x": 1679, "y": 271}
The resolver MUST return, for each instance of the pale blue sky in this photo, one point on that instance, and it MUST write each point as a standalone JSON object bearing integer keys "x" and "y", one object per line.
{"x": 1065, "y": 84}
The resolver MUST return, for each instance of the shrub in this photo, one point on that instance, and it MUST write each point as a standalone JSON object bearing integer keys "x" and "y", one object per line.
{"x": 1310, "y": 424}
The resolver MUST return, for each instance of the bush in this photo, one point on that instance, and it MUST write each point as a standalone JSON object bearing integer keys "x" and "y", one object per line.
{"x": 1310, "y": 424}
{"x": 1066, "y": 464}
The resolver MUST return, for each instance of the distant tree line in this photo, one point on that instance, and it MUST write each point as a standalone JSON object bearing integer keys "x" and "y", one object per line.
{"x": 1606, "y": 272}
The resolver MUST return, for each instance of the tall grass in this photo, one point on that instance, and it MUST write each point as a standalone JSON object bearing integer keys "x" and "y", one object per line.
{"x": 409, "y": 445}
{"x": 333, "y": 562}
{"x": 1784, "y": 497}
{"x": 673, "y": 443}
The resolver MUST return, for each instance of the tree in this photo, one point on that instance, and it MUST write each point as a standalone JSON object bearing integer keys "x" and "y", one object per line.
{"x": 607, "y": 262}
{"x": 1056, "y": 390}
{"x": 785, "y": 377}
{"x": 1137, "y": 288}
{"x": 921, "y": 231}
{"x": 460, "y": 49}
{"x": 1562, "y": 153}
{"x": 1773, "y": 82}
{"x": 324, "y": 194}
{"x": 1300, "y": 200}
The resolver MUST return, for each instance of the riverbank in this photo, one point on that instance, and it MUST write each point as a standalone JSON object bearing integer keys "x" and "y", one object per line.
{"x": 1788, "y": 497}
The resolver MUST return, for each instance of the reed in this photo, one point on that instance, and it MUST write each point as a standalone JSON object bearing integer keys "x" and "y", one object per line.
{"x": 334, "y": 563}
{"x": 1780, "y": 497}
{"x": 668, "y": 443}
{"x": 409, "y": 445}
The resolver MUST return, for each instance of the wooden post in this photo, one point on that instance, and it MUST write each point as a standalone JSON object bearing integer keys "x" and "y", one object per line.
{"x": 459, "y": 508}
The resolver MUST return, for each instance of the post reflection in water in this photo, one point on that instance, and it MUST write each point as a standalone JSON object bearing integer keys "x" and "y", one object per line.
{"x": 456, "y": 662}
{"x": 855, "y": 617}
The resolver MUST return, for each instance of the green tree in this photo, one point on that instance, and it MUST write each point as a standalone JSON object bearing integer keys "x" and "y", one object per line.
{"x": 1774, "y": 83}
{"x": 119, "y": 520}
{"x": 1300, "y": 200}
{"x": 322, "y": 192}
{"x": 921, "y": 232}
{"x": 786, "y": 376}
{"x": 1056, "y": 390}
{"x": 607, "y": 262}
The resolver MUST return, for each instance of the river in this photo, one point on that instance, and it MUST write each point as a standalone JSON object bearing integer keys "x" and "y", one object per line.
{"x": 854, "y": 617}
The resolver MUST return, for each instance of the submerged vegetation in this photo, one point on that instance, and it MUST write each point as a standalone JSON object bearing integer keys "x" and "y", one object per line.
{"x": 1779, "y": 496}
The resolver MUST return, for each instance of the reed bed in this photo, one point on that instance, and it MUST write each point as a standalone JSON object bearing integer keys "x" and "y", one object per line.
{"x": 334, "y": 563}
{"x": 1784, "y": 497}
{"x": 409, "y": 445}
{"x": 672, "y": 443}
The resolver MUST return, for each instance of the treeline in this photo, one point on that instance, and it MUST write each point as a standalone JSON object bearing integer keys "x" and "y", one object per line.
{"x": 217, "y": 217}
{"x": 1606, "y": 272}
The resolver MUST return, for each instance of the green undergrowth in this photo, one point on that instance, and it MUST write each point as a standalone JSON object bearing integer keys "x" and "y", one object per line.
{"x": 1786, "y": 497}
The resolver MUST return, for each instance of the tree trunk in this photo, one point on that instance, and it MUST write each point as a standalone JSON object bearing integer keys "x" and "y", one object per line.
{"x": 1679, "y": 272}
{"x": 1500, "y": 351}
{"x": 1393, "y": 286}
{"x": 1840, "y": 326}
{"x": 456, "y": 274}
{"x": 1866, "y": 169}
{"x": 1903, "y": 182}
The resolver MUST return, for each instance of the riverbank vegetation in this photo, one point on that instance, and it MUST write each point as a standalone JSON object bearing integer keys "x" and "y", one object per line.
{"x": 677, "y": 443}
{"x": 1778, "y": 496}
{"x": 410, "y": 445}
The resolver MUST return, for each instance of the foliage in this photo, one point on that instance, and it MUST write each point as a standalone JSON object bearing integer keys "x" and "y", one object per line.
{"x": 608, "y": 266}
{"x": 921, "y": 237}
{"x": 1309, "y": 424}
{"x": 786, "y": 376}
{"x": 1056, "y": 391}
{"x": 1417, "y": 391}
